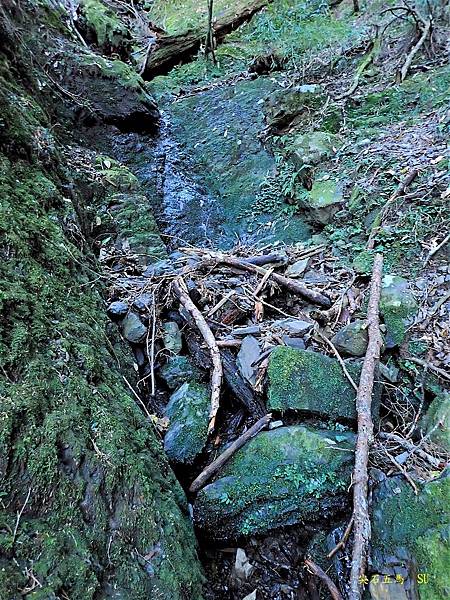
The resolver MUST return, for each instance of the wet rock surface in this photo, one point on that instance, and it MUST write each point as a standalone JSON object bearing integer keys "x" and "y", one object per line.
{"x": 285, "y": 476}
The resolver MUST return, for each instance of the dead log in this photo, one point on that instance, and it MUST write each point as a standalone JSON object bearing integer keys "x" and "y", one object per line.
{"x": 361, "y": 518}
{"x": 233, "y": 379}
{"x": 217, "y": 464}
{"x": 171, "y": 50}
{"x": 180, "y": 289}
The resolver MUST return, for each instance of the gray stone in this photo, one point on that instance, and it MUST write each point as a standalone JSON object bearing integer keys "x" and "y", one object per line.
{"x": 283, "y": 106}
{"x": 297, "y": 268}
{"x": 436, "y": 422}
{"x": 117, "y": 310}
{"x": 323, "y": 201}
{"x": 294, "y": 342}
{"x": 248, "y": 354}
{"x": 143, "y": 302}
{"x": 293, "y": 326}
{"x": 281, "y": 477}
{"x": 179, "y": 370}
{"x": 310, "y": 149}
{"x": 188, "y": 414}
{"x": 133, "y": 329}
{"x": 248, "y": 330}
{"x": 171, "y": 335}
{"x": 352, "y": 339}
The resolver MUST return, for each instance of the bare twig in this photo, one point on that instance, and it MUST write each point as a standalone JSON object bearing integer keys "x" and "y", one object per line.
{"x": 19, "y": 516}
{"x": 402, "y": 470}
{"x": 294, "y": 286}
{"x": 407, "y": 64}
{"x": 365, "y": 434}
{"x": 339, "y": 358}
{"x": 432, "y": 252}
{"x": 427, "y": 365}
{"x": 433, "y": 461}
{"x": 343, "y": 540}
{"x": 411, "y": 175}
{"x": 318, "y": 572}
{"x": 217, "y": 464}
{"x": 180, "y": 289}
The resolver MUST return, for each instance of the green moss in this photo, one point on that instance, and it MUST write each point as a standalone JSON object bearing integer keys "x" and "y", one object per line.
{"x": 398, "y": 308}
{"x": 310, "y": 382}
{"x": 104, "y": 22}
{"x": 76, "y": 453}
{"x": 438, "y": 412}
{"x": 420, "y": 524}
{"x": 281, "y": 477}
{"x": 125, "y": 75}
{"x": 188, "y": 413}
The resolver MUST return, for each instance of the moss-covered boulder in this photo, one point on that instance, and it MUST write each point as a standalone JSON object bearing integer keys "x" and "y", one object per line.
{"x": 398, "y": 308}
{"x": 308, "y": 149}
{"x": 281, "y": 477}
{"x": 283, "y": 107}
{"x": 311, "y": 383}
{"x": 436, "y": 421}
{"x": 178, "y": 370}
{"x": 188, "y": 414}
{"x": 352, "y": 339}
{"x": 410, "y": 536}
{"x": 323, "y": 201}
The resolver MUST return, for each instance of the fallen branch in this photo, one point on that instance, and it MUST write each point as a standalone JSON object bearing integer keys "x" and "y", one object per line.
{"x": 294, "y": 286}
{"x": 19, "y": 516}
{"x": 365, "y": 434}
{"x": 373, "y": 52}
{"x": 217, "y": 464}
{"x": 392, "y": 437}
{"x": 426, "y": 365}
{"x": 317, "y": 571}
{"x": 180, "y": 289}
{"x": 343, "y": 540}
{"x": 407, "y": 64}
{"x": 411, "y": 175}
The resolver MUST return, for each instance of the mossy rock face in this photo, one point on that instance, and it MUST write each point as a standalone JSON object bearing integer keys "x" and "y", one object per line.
{"x": 179, "y": 370}
{"x": 311, "y": 383}
{"x": 398, "y": 308}
{"x": 282, "y": 107}
{"x": 108, "y": 32}
{"x": 77, "y": 458}
{"x": 188, "y": 413}
{"x": 410, "y": 536}
{"x": 437, "y": 421}
{"x": 309, "y": 149}
{"x": 281, "y": 477}
{"x": 323, "y": 201}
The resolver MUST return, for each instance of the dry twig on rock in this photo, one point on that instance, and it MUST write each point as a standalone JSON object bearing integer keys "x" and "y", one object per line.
{"x": 217, "y": 464}
{"x": 365, "y": 434}
{"x": 181, "y": 291}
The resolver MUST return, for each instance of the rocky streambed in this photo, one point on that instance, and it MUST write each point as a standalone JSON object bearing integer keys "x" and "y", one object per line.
{"x": 284, "y": 495}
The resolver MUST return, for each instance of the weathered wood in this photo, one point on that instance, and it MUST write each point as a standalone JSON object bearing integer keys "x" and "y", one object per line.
{"x": 233, "y": 379}
{"x": 171, "y": 50}
{"x": 361, "y": 518}
{"x": 217, "y": 464}
{"x": 180, "y": 289}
